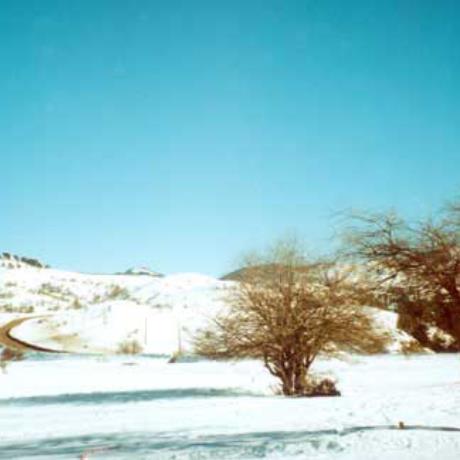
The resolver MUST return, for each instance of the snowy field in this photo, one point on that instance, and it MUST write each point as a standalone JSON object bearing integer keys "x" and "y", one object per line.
{"x": 117, "y": 407}
{"x": 60, "y": 407}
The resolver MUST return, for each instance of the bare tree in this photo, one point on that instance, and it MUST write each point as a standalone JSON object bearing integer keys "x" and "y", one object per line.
{"x": 287, "y": 311}
{"x": 418, "y": 267}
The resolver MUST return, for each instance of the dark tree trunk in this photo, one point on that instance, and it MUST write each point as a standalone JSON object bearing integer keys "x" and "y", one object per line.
{"x": 293, "y": 379}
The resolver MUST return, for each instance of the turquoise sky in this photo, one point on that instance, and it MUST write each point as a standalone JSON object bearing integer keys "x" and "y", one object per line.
{"x": 178, "y": 134}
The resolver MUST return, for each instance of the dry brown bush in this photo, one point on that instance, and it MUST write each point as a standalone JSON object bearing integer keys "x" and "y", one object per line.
{"x": 287, "y": 311}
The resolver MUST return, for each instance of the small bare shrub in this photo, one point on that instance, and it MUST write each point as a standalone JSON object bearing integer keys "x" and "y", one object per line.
{"x": 118, "y": 292}
{"x": 11, "y": 354}
{"x": 321, "y": 387}
{"x": 55, "y": 292}
{"x": 76, "y": 304}
{"x": 48, "y": 289}
{"x": 8, "y": 355}
{"x": 96, "y": 299}
{"x": 412, "y": 347}
{"x": 6, "y": 295}
{"x": 129, "y": 347}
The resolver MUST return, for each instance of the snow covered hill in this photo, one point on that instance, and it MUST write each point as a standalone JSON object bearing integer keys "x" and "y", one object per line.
{"x": 147, "y": 312}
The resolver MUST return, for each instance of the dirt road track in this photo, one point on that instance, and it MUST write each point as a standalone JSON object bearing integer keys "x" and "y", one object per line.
{"x": 10, "y": 342}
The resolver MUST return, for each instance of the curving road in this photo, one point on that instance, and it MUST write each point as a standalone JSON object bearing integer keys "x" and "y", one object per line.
{"x": 11, "y": 342}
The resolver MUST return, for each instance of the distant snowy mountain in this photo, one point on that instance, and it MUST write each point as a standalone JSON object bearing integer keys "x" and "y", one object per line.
{"x": 140, "y": 271}
{"x": 78, "y": 312}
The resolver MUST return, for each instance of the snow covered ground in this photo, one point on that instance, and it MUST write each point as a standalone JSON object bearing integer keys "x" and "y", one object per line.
{"x": 57, "y": 407}
{"x": 120, "y": 407}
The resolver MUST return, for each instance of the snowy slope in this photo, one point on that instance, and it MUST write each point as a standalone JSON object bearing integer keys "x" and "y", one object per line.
{"x": 81, "y": 313}
{"x": 100, "y": 313}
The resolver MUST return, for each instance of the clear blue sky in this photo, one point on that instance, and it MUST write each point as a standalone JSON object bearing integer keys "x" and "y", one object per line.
{"x": 179, "y": 133}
